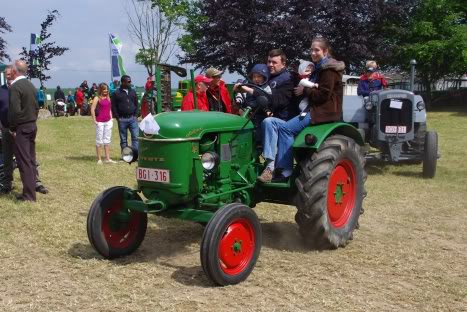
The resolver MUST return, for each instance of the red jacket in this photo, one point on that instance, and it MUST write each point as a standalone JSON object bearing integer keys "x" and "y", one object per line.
{"x": 225, "y": 96}
{"x": 144, "y": 106}
{"x": 188, "y": 102}
{"x": 79, "y": 98}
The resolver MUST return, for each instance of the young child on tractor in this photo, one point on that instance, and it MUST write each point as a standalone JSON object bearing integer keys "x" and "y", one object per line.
{"x": 259, "y": 75}
{"x": 305, "y": 70}
{"x": 371, "y": 80}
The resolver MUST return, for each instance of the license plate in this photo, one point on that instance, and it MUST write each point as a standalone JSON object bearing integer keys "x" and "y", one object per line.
{"x": 153, "y": 175}
{"x": 396, "y": 129}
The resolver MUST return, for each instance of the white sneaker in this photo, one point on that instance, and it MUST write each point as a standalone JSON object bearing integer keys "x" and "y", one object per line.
{"x": 99, "y": 162}
{"x": 110, "y": 161}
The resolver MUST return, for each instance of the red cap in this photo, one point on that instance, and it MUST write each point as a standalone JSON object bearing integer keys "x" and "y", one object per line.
{"x": 201, "y": 78}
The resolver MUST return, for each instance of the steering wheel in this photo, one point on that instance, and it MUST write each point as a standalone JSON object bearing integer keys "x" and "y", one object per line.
{"x": 253, "y": 86}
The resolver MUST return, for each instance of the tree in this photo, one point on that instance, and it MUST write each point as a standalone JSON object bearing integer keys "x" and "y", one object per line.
{"x": 4, "y": 28}
{"x": 236, "y": 34}
{"x": 47, "y": 50}
{"x": 155, "y": 27}
{"x": 437, "y": 39}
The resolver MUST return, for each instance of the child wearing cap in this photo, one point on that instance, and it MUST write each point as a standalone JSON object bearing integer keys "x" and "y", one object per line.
{"x": 371, "y": 80}
{"x": 201, "y": 85}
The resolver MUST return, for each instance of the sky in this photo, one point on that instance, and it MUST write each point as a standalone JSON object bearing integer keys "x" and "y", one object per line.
{"x": 83, "y": 27}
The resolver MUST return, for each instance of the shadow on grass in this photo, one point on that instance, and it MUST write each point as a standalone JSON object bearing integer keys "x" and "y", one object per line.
{"x": 456, "y": 110}
{"x": 410, "y": 174}
{"x": 377, "y": 167}
{"x": 283, "y": 236}
{"x": 189, "y": 276}
{"x": 165, "y": 241}
{"x": 85, "y": 158}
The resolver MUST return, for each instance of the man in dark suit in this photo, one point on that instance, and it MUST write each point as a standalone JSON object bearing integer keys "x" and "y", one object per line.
{"x": 22, "y": 117}
{"x": 8, "y": 142}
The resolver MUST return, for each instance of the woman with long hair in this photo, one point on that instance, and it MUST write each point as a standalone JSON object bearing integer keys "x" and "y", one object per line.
{"x": 102, "y": 115}
{"x": 325, "y": 103}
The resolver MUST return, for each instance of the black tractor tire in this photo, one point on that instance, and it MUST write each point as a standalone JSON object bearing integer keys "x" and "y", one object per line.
{"x": 231, "y": 244}
{"x": 330, "y": 192}
{"x": 418, "y": 142}
{"x": 430, "y": 155}
{"x": 111, "y": 236}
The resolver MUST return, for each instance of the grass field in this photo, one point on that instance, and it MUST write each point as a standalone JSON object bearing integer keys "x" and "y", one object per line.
{"x": 410, "y": 253}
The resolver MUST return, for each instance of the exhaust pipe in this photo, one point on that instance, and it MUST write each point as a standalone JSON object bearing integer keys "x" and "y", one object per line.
{"x": 412, "y": 75}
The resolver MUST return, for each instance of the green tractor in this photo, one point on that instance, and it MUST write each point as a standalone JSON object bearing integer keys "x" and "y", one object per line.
{"x": 202, "y": 167}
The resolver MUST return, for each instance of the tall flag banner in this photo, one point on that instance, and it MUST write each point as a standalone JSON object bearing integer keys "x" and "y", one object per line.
{"x": 34, "y": 48}
{"x": 116, "y": 59}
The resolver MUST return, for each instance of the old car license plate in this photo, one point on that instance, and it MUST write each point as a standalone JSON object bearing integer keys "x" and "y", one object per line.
{"x": 396, "y": 129}
{"x": 153, "y": 175}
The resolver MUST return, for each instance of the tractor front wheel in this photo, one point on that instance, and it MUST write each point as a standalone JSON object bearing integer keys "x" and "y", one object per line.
{"x": 112, "y": 230}
{"x": 231, "y": 244}
{"x": 430, "y": 155}
{"x": 330, "y": 193}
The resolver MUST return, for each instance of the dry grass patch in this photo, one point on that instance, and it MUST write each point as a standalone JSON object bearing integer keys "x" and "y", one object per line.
{"x": 409, "y": 255}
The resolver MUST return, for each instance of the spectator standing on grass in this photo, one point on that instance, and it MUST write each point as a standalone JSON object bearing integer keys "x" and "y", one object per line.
{"x": 70, "y": 99}
{"x": 22, "y": 117}
{"x": 41, "y": 97}
{"x": 93, "y": 91}
{"x": 8, "y": 142}
{"x": 59, "y": 95}
{"x": 124, "y": 109}
{"x": 84, "y": 86}
{"x": 79, "y": 99}
{"x": 102, "y": 115}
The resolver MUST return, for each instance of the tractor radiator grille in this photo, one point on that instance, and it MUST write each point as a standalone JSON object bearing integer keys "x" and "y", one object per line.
{"x": 394, "y": 120}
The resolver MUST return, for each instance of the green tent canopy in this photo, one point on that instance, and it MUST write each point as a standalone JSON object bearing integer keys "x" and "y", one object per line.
{"x": 2, "y": 67}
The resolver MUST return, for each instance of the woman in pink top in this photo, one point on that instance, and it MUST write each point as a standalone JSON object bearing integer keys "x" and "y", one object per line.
{"x": 102, "y": 115}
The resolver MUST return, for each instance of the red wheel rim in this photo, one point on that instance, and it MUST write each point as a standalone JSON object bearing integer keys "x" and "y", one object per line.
{"x": 237, "y": 246}
{"x": 341, "y": 193}
{"x": 120, "y": 227}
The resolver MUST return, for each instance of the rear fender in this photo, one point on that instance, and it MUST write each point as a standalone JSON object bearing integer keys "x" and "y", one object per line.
{"x": 323, "y": 131}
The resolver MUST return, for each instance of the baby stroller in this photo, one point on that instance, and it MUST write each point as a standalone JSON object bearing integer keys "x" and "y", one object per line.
{"x": 60, "y": 108}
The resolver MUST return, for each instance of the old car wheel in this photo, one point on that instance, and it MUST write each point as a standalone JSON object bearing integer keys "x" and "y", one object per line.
{"x": 330, "y": 191}
{"x": 112, "y": 230}
{"x": 231, "y": 244}
{"x": 430, "y": 156}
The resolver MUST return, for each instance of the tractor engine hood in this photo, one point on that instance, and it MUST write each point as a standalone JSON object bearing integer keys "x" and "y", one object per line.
{"x": 193, "y": 124}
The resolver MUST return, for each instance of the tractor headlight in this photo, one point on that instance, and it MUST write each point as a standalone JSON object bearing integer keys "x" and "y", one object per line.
{"x": 368, "y": 104}
{"x": 129, "y": 154}
{"x": 420, "y": 105}
{"x": 209, "y": 160}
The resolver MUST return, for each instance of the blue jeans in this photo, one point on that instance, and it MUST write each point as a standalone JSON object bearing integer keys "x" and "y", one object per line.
{"x": 125, "y": 124}
{"x": 269, "y": 132}
{"x": 287, "y": 133}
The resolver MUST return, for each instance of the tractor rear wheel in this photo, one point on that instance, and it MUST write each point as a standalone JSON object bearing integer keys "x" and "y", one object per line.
{"x": 330, "y": 191}
{"x": 430, "y": 155}
{"x": 112, "y": 230}
{"x": 231, "y": 244}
